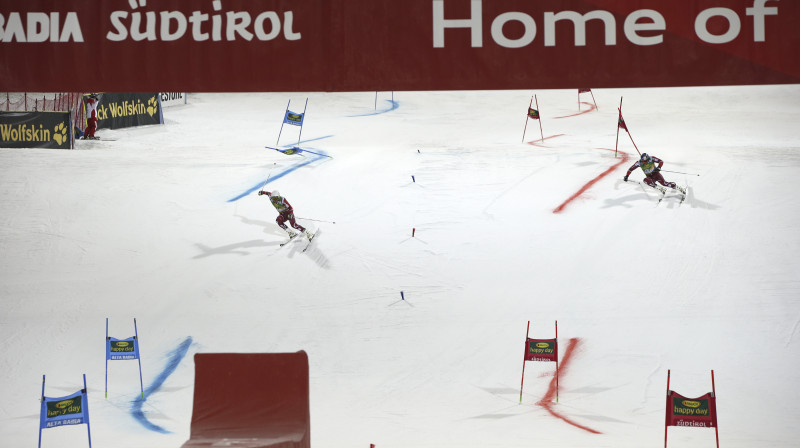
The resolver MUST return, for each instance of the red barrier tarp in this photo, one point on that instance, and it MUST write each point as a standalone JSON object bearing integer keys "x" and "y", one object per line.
{"x": 251, "y": 400}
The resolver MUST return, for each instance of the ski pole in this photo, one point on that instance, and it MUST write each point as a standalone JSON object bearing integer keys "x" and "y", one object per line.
{"x": 265, "y": 183}
{"x": 268, "y": 176}
{"x": 317, "y": 220}
{"x": 679, "y": 172}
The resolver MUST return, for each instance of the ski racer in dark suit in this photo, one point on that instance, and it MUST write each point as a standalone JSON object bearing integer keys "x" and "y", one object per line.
{"x": 285, "y": 213}
{"x": 652, "y": 172}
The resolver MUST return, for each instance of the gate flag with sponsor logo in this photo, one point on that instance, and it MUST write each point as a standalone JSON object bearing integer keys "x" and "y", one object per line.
{"x": 294, "y": 119}
{"x": 539, "y": 350}
{"x": 700, "y": 412}
{"x": 62, "y": 411}
{"x": 121, "y": 349}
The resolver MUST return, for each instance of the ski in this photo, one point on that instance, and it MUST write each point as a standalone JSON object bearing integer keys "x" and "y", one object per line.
{"x": 683, "y": 191}
{"x": 663, "y": 192}
{"x": 659, "y": 190}
{"x": 313, "y": 235}
{"x": 289, "y": 240}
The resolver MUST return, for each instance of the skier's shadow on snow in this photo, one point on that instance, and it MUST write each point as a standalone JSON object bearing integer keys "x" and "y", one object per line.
{"x": 269, "y": 227}
{"x": 668, "y": 201}
{"x": 259, "y": 223}
{"x": 313, "y": 252}
{"x": 235, "y": 248}
{"x": 241, "y": 247}
{"x": 697, "y": 203}
{"x": 293, "y": 248}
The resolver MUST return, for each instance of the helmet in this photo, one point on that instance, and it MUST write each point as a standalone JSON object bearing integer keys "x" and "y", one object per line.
{"x": 645, "y": 157}
{"x": 275, "y": 193}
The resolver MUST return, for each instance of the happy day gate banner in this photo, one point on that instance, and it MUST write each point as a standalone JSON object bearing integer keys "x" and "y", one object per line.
{"x": 371, "y": 45}
{"x": 541, "y": 350}
{"x": 695, "y": 412}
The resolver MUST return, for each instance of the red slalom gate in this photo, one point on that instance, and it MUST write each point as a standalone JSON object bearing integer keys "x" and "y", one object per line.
{"x": 700, "y": 412}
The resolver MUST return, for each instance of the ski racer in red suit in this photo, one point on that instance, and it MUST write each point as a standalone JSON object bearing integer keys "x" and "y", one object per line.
{"x": 285, "y": 213}
{"x": 651, "y": 167}
{"x": 91, "y": 117}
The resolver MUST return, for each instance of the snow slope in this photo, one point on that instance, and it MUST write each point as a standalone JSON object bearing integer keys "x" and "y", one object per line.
{"x": 149, "y": 227}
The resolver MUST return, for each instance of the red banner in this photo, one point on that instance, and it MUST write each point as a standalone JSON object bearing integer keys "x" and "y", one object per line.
{"x": 363, "y": 45}
{"x": 698, "y": 412}
{"x": 541, "y": 350}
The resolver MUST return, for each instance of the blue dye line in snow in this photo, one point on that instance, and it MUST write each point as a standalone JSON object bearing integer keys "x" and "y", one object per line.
{"x": 175, "y": 358}
{"x": 394, "y": 105}
{"x": 275, "y": 177}
{"x": 282, "y": 173}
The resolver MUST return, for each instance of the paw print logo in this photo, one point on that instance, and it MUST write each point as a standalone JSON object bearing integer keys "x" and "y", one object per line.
{"x": 60, "y": 133}
{"x": 152, "y": 106}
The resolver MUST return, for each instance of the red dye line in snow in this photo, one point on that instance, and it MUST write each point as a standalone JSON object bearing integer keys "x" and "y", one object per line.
{"x": 589, "y": 184}
{"x": 591, "y": 108}
{"x": 543, "y": 139}
{"x": 547, "y": 401}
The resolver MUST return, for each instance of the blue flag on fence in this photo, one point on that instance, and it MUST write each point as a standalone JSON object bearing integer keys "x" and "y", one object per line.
{"x": 293, "y": 118}
{"x": 122, "y": 348}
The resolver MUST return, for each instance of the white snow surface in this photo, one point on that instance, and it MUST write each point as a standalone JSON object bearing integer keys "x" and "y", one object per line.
{"x": 144, "y": 227}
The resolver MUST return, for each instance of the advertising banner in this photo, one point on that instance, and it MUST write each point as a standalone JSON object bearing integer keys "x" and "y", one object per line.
{"x": 62, "y": 411}
{"x": 122, "y": 348}
{"x": 293, "y": 118}
{"x": 35, "y": 130}
{"x": 695, "y": 412}
{"x": 388, "y": 45}
{"x": 173, "y": 98}
{"x": 541, "y": 350}
{"x": 124, "y": 110}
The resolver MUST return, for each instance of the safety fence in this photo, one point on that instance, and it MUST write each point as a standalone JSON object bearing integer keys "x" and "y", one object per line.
{"x": 45, "y": 102}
